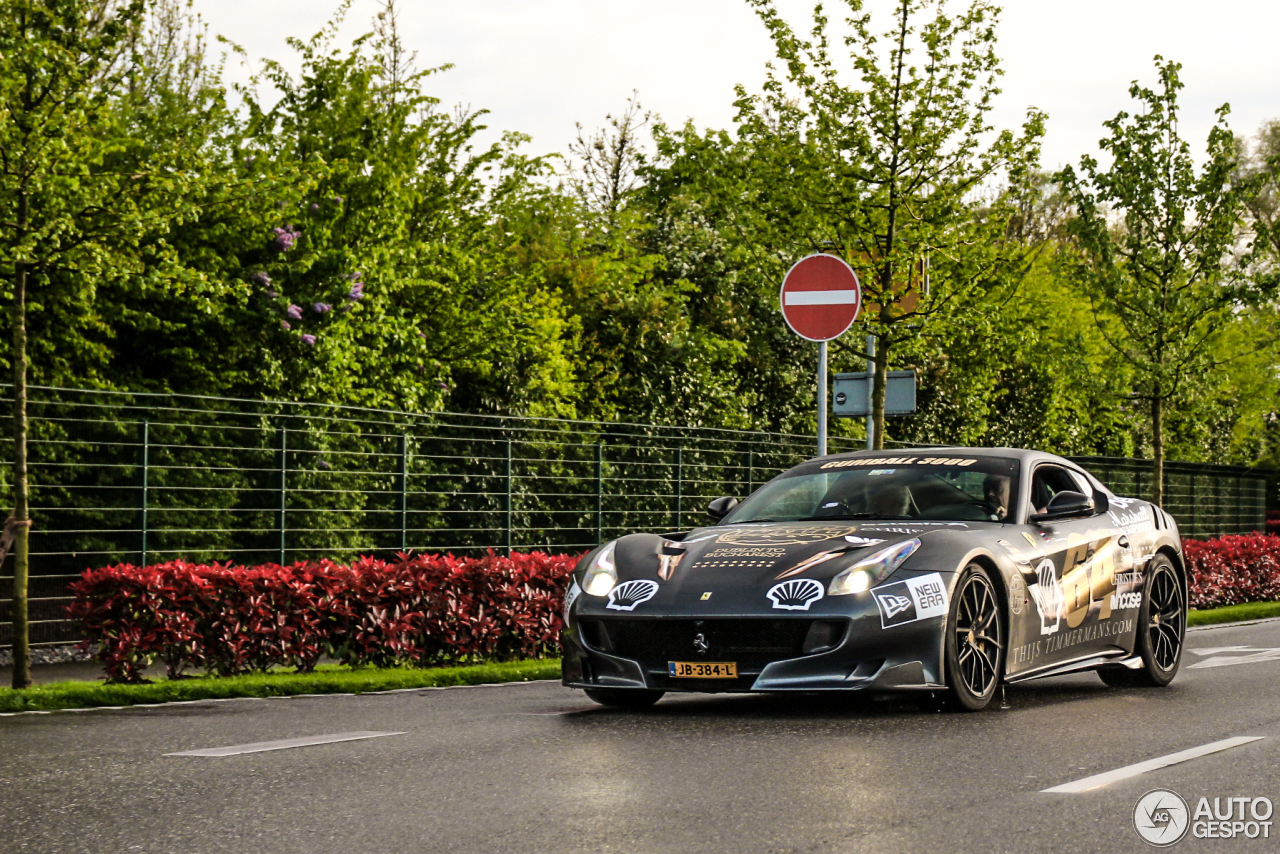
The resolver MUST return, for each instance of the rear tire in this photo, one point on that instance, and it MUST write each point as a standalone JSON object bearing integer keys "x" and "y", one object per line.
{"x": 1162, "y": 629}
{"x": 624, "y": 698}
{"x": 975, "y": 641}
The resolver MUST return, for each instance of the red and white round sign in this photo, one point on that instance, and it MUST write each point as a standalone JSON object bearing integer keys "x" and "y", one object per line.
{"x": 820, "y": 297}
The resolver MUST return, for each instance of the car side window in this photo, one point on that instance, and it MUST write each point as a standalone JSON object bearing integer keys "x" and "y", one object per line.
{"x": 1048, "y": 481}
{"x": 1083, "y": 484}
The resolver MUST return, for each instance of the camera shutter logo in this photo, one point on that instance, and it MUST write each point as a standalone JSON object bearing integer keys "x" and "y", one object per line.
{"x": 1161, "y": 818}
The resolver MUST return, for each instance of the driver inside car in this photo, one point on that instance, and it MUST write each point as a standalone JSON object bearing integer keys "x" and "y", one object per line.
{"x": 995, "y": 490}
{"x": 892, "y": 499}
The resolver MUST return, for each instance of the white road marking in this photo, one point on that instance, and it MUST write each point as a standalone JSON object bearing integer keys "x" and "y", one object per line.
{"x": 1214, "y": 650}
{"x": 1242, "y": 655}
{"x": 1099, "y": 780}
{"x": 283, "y": 744}
{"x": 821, "y": 297}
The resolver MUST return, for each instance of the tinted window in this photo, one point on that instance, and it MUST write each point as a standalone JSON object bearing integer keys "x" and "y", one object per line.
{"x": 1048, "y": 481}
{"x": 917, "y": 487}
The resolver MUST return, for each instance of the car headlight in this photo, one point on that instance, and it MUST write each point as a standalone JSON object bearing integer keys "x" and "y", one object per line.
{"x": 602, "y": 574}
{"x": 866, "y": 572}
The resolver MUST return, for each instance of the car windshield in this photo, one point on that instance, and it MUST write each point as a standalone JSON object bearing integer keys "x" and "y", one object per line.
{"x": 959, "y": 489}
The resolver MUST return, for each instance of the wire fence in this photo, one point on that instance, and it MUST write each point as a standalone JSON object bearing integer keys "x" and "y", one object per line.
{"x": 144, "y": 478}
{"x": 1206, "y": 500}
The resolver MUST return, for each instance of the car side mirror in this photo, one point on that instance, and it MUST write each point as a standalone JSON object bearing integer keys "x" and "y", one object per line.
{"x": 720, "y": 507}
{"x": 1100, "y": 502}
{"x": 1065, "y": 505}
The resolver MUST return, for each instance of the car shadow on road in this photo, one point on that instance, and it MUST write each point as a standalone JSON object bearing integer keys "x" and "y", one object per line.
{"x": 832, "y": 705}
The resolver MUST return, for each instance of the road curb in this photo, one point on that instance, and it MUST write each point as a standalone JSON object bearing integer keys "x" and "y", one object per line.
{"x": 1233, "y": 625}
{"x": 281, "y": 697}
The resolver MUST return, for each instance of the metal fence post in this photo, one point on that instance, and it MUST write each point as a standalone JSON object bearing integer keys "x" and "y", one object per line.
{"x": 404, "y": 492}
{"x": 599, "y": 493}
{"x": 679, "y": 487}
{"x": 751, "y": 471}
{"x": 284, "y": 491}
{"x": 508, "y": 505}
{"x": 146, "y": 464}
{"x": 1239, "y": 501}
{"x": 1193, "y": 505}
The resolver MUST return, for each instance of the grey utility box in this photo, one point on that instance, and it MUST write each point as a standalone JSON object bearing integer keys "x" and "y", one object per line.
{"x": 853, "y": 394}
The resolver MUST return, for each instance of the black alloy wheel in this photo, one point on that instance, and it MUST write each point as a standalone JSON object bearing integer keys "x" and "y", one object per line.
{"x": 1162, "y": 628}
{"x": 975, "y": 641}
{"x": 624, "y": 698}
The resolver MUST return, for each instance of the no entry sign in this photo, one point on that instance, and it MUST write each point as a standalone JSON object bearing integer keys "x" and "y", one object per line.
{"x": 820, "y": 297}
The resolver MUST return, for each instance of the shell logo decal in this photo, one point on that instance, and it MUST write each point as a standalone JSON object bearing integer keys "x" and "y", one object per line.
{"x": 629, "y": 594}
{"x": 795, "y": 595}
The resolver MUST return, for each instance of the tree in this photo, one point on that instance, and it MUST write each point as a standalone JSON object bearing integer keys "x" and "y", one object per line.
{"x": 78, "y": 191}
{"x": 884, "y": 172}
{"x": 1163, "y": 248}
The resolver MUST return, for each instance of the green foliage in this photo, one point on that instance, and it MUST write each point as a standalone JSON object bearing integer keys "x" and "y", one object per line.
{"x": 622, "y": 283}
{"x": 1160, "y": 248}
{"x": 880, "y": 172}
{"x": 370, "y": 264}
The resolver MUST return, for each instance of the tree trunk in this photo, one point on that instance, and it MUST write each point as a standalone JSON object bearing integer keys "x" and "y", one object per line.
{"x": 1157, "y": 448}
{"x": 21, "y": 543}
{"x": 879, "y": 389}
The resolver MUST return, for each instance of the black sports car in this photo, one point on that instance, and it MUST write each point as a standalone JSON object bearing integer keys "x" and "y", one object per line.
{"x": 943, "y": 571}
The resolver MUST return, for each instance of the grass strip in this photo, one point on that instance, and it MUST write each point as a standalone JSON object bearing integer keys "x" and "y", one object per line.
{"x": 1234, "y": 613}
{"x": 331, "y": 680}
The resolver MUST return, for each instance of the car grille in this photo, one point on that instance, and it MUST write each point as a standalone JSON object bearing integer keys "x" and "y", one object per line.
{"x": 752, "y": 643}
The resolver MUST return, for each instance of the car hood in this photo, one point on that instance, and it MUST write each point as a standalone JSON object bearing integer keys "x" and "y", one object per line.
{"x": 757, "y": 555}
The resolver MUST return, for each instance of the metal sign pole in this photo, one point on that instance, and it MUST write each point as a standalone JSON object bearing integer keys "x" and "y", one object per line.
{"x": 820, "y": 299}
{"x": 822, "y": 398}
{"x": 871, "y": 379}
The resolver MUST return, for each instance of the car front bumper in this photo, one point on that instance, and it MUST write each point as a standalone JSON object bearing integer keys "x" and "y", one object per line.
{"x": 771, "y": 653}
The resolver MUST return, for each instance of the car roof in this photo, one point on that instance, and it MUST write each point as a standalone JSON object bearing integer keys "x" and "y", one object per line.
{"x": 1023, "y": 455}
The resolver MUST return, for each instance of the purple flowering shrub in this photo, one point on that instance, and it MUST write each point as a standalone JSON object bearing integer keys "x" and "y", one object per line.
{"x": 285, "y": 238}
{"x": 308, "y": 299}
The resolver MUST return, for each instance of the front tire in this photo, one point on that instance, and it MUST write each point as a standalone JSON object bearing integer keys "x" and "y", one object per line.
{"x": 624, "y": 698}
{"x": 1162, "y": 621}
{"x": 975, "y": 641}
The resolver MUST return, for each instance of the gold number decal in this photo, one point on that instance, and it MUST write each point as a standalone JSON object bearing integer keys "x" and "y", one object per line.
{"x": 1075, "y": 580}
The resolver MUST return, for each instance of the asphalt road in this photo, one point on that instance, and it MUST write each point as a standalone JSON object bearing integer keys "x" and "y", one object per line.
{"x": 535, "y": 768}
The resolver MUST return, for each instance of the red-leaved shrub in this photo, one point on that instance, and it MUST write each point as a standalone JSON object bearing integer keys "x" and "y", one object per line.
{"x": 228, "y": 619}
{"x": 421, "y": 610}
{"x": 1233, "y": 569}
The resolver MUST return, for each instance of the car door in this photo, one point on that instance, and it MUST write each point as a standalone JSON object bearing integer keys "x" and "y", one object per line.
{"x": 1074, "y": 586}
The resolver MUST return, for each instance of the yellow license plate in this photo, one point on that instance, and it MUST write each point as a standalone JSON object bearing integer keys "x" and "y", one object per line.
{"x": 703, "y": 669}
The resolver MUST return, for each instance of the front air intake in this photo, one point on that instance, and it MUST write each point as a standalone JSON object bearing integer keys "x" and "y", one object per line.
{"x": 823, "y": 635}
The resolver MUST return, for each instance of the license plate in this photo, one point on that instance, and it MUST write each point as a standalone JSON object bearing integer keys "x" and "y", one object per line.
{"x": 703, "y": 669}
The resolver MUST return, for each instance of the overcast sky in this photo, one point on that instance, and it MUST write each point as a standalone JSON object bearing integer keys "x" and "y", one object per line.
{"x": 539, "y": 66}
